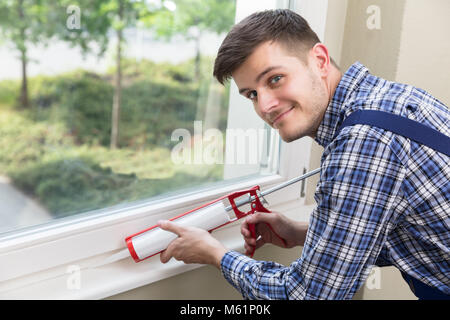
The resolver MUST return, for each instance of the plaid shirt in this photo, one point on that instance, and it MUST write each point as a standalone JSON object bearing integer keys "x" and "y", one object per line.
{"x": 382, "y": 200}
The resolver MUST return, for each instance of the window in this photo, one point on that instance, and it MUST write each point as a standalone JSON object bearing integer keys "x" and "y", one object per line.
{"x": 81, "y": 179}
{"x": 83, "y": 133}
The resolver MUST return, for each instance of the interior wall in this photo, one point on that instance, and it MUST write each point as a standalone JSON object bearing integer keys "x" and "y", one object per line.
{"x": 376, "y": 45}
{"x": 424, "y": 57}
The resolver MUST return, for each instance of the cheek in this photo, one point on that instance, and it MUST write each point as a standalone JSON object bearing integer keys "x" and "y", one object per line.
{"x": 298, "y": 91}
{"x": 258, "y": 112}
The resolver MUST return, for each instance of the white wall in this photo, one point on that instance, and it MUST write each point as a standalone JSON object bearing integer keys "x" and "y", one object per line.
{"x": 424, "y": 54}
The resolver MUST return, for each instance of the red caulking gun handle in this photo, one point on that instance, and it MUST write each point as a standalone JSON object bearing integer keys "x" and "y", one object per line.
{"x": 252, "y": 229}
{"x": 256, "y": 205}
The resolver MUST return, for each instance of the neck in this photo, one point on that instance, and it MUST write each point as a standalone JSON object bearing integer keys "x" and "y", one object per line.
{"x": 334, "y": 77}
{"x": 333, "y": 81}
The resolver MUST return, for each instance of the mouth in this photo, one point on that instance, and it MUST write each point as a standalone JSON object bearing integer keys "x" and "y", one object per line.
{"x": 281, "y": 116}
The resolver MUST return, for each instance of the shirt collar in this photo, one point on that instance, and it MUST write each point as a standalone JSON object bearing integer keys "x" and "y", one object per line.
{"x": 335, "y": 112}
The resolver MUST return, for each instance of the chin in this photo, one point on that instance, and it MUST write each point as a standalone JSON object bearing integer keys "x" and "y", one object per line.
{"x": 288, "y": 136}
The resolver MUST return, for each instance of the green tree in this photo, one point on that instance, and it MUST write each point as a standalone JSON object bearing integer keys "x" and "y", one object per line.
{"x": 24, "y": 23}
{"x": 27, "y": 23}
{"x": 100, "y": 19}
{"x": 192, "y": 18}
{"x": 82, "y": 24}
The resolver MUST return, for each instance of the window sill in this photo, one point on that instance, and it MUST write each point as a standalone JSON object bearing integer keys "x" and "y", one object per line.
{"x": 64, "y": 244}
{"x": 124, "y": 275}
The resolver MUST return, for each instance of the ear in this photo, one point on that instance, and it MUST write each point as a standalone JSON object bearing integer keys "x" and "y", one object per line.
{"x": 321, "y": 58}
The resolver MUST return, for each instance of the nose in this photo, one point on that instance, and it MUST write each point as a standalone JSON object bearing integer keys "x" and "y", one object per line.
{"x": 266, "y": 102}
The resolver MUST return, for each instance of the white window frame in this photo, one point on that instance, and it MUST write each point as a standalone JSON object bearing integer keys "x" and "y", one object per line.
{"x": 39, "y": 264}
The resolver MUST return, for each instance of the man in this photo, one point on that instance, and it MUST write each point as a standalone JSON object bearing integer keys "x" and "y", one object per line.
{"x": 382, "y": 198}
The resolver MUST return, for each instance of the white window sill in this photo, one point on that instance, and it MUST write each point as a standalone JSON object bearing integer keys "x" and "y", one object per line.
{"x": 124, "y": 275}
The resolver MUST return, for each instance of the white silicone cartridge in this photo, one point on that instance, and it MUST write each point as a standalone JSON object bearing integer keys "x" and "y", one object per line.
{"x": 154, "y": 240}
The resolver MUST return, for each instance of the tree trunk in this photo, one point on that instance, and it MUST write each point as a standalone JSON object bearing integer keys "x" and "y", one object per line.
{"x": 117, "y": 87}
{"x": 197, "y": 58}
{"x": 23, "y": 99}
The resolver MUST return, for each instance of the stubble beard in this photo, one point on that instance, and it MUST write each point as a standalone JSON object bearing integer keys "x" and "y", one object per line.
{"x": 317, "y": 112}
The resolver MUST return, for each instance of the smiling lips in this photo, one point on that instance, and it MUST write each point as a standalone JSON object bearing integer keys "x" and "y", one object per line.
{"x": 281, "y": 116}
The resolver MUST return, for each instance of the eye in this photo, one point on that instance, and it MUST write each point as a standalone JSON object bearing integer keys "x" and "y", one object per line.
{"x": 275, "y": 79}
{"x": 252, "y": 95}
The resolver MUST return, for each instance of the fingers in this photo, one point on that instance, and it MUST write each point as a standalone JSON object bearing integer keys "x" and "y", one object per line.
{"x": 249, "y": 248}
{"x": 170, "y": 226}
{"x": 264, "y": 232}
{"x": 250, "y": 242}
{"x": 251, "y": 219}
{"x": 248, "y": 237}
{"x": 253, "y": 245}
{"x": 167, "y": 225}
{"x": 167, "y": 254}
{"x": 258, "y": 217}
{"x": 255, "y": 219}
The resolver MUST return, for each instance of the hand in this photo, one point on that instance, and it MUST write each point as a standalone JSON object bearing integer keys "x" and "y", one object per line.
{"x": 193, "y": 245}
{"x": 293, "y": 232}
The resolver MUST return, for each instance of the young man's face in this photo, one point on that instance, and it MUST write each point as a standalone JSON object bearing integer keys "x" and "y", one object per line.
{"x": 287, "y": 94}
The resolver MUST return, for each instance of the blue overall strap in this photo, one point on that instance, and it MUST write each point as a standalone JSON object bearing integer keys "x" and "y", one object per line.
{"x": 421, "y": 134}
{"x": 400, "y": 125}
{"x": 423, "y": 291}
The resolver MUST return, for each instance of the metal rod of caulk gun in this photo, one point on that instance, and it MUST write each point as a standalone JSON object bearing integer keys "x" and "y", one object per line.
{"x": 276, "y": 188}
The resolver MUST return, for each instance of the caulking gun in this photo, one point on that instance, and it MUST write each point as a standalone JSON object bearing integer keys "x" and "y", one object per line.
{"x": 210, "y": 216}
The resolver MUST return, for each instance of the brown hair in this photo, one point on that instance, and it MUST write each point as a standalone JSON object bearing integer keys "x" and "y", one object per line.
{"x": 282, "y": 25}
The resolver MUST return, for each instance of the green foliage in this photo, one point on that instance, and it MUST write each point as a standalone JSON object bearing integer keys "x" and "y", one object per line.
{"x": 92, "y": 36}
{"x": 23, "y": 142}
{"x": 79, "y": 100}
{"x": 67, "y": 179}
{"x": 165, "y": 72}
{"x": 56, "y": 151}
{"x": 25, "y": 21}
{"x": 156, "y": 99}
{"x": 9, "y": 92}
{"x": 206, "y": 15}
{"x": 151, "y": 109}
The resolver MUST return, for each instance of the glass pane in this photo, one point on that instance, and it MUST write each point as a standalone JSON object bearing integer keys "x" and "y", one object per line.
{"x": 86, "y": 124}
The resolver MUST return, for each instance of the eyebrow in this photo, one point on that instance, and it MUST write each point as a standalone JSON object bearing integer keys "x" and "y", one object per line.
{"x": 267, "y": 70}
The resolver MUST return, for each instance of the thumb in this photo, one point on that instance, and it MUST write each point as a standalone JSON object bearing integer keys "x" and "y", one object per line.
{"x": 170, "y": 226}
{"x": 261, "y": 217}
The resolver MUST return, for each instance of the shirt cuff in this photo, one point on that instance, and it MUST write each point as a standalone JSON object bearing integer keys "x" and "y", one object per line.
{"x": 231, "y": 266}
